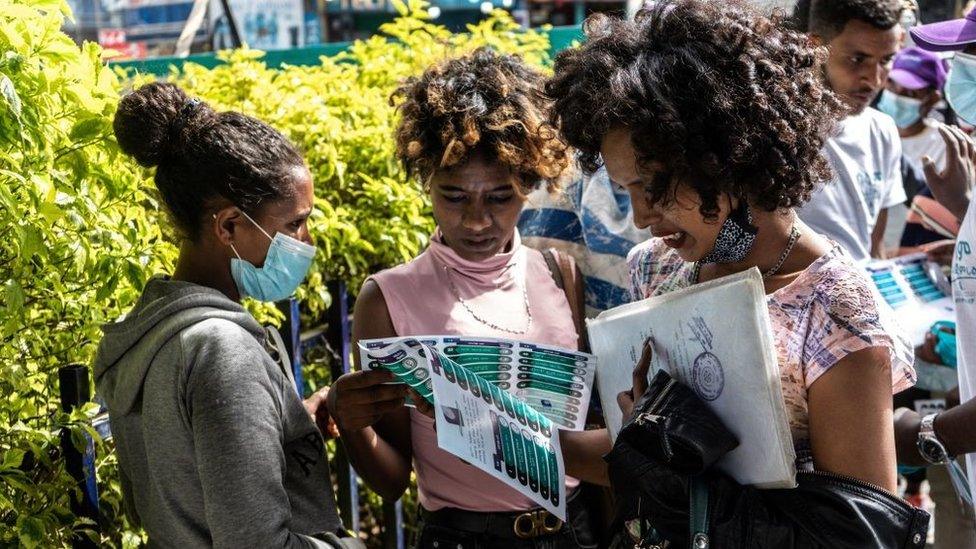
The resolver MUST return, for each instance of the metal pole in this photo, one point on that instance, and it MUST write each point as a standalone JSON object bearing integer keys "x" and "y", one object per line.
{"x": 393, "y": 524}
{"x": 98, "y": 19}
{"x": 193, "y": 22}
{"x": 323, "y": 11}
{"x": 339, "y": 336}
{"x": 579, "y": 11}
{"x": 291, "y": 333}
{"x": 235, "y": 36}
{"x": 75, "y": 390}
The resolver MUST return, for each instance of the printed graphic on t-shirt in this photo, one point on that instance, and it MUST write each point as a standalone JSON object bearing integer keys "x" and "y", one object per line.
{"x": 964, "y": 273}
{"x": 870, "y": 188}
{"x": 307, "y": 451}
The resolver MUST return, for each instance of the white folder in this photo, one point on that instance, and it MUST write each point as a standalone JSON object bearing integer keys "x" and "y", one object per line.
{"x": 714, "y": 337}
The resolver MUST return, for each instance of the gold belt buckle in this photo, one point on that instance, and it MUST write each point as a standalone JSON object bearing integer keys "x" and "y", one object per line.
{"x": 536, "y": 523}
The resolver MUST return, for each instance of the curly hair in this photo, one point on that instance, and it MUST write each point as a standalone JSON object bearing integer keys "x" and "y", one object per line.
{"x": 483, "y": 102}
{"x": 728, "y": 101}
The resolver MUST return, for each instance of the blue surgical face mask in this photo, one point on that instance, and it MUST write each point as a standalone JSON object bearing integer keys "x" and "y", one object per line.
{"x": 961, "y": 87}
{"x": 905, "y": 110}
{"x": 284, "y": 268}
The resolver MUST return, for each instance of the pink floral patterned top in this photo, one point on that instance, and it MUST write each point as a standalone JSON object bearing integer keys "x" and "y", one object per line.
{"x": 827, "y": 313}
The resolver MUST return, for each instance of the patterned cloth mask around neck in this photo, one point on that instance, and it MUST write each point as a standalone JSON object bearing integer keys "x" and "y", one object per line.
{"x": 735, "y": 239}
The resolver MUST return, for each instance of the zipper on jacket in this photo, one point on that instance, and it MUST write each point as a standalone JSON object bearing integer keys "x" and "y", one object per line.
{"x": 917, "y": 537}
{"x": 649, "y": 415}
{"x": 852, "y": 480}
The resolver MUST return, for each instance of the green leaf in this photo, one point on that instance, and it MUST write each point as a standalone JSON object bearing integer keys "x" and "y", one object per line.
{"x": 7, "y": 199}
{"x": 31, "y": 242}
{"x": 14, "y": 294}
{"x": 59, "y": 6}
{"x": 401, "y": 8}
{"x": 87, "y": 129}
{"x": 30, "y": 530}
{"x": 106, "y": 289}
{"x": 10, "y": 96}
{"x": 13, "y": 458}
{"x": 50, "y": 211}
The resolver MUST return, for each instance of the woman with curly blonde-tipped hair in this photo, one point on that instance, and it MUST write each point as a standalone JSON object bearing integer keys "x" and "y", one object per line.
{"x": 473, "y": 131}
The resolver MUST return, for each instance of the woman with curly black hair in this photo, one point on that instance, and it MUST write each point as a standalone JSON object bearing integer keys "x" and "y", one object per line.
{"x": 474, "y": 131}
{"x": 713, "y": 117}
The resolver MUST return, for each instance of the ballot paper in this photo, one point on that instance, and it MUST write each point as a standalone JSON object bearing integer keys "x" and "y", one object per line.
{"x": 917, "y": 293}
{"x": 482, "y": 424}
{"x": 555, "y": 381}
{"x": 714, "y": 337}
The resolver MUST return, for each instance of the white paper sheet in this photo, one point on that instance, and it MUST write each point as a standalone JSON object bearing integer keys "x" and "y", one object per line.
{"x": 714, "y": 337}
{"x": 485, "y": 426}
{"x": 556, "y": 382}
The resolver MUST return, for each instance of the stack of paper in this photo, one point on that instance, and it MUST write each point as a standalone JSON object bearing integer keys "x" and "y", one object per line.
{"x": 714, "y": 337}
{"x": 555, "y": 381}
{"x": 498, "y": 404}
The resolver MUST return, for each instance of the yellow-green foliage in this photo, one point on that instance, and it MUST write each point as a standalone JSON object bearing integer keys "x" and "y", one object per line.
{"x": 81, "y": 229}
{"x": 369, "y": 216}
{"x": 76, "y": 246}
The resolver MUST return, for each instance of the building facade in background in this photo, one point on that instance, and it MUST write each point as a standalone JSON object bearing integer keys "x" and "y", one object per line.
{"x": 148, "y": 28}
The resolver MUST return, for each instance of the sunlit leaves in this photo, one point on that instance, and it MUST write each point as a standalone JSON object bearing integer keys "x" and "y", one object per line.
{"x": 73, "y": 221}
{"x": 81, "y": 228}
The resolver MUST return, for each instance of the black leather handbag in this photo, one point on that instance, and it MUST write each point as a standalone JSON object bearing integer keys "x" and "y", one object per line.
{"x": 672, "y": 427}
{"x": 652, "y": 468}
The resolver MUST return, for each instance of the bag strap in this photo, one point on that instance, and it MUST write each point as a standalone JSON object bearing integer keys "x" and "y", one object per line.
{"x": 567, "y": 277}
{"x": 698, "y": 512}
{"x": 278, "y": 344}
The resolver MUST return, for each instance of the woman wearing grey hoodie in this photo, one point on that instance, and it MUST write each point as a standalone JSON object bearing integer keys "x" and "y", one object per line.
{"x": 215, "y": 447}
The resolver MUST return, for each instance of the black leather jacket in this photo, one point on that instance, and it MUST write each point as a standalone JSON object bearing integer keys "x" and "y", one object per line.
{"x": 824, "y": 511}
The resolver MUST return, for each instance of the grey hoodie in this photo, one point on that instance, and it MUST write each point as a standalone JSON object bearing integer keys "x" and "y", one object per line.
{"x": 214, "y": 445}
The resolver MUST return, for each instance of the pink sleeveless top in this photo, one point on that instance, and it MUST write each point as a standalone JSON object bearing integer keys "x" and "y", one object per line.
{"x": 420, "y": 300}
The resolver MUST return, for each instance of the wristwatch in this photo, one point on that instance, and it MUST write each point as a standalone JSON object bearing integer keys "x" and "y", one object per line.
{"x": 929, "y": 445}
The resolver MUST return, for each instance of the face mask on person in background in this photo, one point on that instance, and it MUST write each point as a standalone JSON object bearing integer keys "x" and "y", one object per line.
{"x": 961, "y": 87}
{"x": 284, "y": 268}
{"x": 905, "y": 110}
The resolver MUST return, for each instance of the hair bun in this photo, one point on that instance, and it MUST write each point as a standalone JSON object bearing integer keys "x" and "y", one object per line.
{"x": 151, "y": 123}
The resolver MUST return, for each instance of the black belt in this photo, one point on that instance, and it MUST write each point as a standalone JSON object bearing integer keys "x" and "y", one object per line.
{"x": 516, "y": 524}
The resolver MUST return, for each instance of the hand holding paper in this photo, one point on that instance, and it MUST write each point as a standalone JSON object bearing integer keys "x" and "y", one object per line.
{"x": 479, "y": 422}
{"x": 360, "y": 399}
{"x": 626, "y": 399}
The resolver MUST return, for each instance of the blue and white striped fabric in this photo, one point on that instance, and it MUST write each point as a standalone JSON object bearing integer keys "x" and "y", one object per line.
{"x": 591, "y": 220}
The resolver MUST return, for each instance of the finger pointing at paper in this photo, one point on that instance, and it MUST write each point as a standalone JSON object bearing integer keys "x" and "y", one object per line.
{"x": 626, "y": 399}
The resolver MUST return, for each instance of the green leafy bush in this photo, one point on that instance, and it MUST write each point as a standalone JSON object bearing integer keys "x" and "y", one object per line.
{"x": 81, "y": 228}
{"x": 369, "y": 216}
{"x": 76, "y": 246}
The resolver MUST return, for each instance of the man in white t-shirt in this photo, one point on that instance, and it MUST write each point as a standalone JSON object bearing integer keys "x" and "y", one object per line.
{"x": 863, "y": 37}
